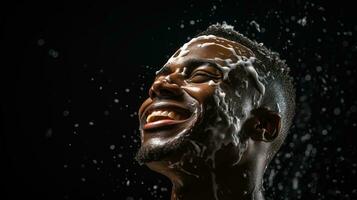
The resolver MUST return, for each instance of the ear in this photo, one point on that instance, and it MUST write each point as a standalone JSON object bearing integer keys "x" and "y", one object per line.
{"x": 264, "y": 125}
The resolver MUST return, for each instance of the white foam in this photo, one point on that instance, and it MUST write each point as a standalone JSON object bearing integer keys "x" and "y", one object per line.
{"x": 184, "y": 71}
{"x": 184, "y": 51}
{"x": 248, "y": 64}
{"x": 224, "y": 113}
{"x": 211, "y": 83}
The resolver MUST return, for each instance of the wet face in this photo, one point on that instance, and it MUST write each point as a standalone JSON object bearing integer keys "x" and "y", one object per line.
{"x": 192, "y": 104}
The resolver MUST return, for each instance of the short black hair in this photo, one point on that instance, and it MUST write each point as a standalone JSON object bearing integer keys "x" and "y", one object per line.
{"x": 276, "y": 73}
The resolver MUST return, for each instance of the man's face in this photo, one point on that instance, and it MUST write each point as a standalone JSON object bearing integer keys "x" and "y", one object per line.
{"x": 191, "y": 103}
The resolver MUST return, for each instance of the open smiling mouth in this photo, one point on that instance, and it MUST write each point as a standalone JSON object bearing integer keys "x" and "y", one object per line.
{"x": 164, "y": 117}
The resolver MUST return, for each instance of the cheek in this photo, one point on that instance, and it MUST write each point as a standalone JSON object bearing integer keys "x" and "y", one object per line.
{"x": 201, "y": 92}
{"x": 144, "y": 105}
{"x": 228, "y": 155}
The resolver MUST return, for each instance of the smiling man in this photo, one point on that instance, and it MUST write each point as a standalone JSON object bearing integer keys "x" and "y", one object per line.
{"x": 217, "y": 113}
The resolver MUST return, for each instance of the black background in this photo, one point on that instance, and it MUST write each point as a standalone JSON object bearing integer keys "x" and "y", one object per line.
{"x": 73, "y": 77}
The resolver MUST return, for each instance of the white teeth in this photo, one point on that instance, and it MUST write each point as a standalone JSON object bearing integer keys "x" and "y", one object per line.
{"x": 172, "y": 115}
{"x": 155, "y": 115}
{"x": 149, "y": 118}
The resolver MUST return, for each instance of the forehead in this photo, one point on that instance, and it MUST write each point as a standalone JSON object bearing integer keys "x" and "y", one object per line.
{"x": 213, "y": 48}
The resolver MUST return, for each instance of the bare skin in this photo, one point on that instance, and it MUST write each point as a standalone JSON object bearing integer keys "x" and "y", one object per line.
{"x": 178, "y": 108}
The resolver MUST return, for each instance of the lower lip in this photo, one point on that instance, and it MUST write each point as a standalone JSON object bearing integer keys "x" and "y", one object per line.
{"x": 161, "y": 123}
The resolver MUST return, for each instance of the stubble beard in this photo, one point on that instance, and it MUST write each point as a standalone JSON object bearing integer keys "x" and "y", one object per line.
{"x": 203, "y": 138}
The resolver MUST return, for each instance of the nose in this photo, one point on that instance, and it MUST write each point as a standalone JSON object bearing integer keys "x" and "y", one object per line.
{"x": 163, "y": 87}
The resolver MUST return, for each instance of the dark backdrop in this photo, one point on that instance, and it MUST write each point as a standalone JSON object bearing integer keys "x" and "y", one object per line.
{"x": 74, "y": 75}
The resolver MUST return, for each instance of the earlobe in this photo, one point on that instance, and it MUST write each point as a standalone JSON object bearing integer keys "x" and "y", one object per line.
{"x": 264, "y": 125}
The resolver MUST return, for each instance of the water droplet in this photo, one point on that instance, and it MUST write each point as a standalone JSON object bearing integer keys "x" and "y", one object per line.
{"x": 40, "y": 42}
{"x": 337, "y": 111}
{"x": 48, "y": 133}
{"x": 65, "y": 113}
{"x": 53, "y": 53}
{"x": 308, "y": 77}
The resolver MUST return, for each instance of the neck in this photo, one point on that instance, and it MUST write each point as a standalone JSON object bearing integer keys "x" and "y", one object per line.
{"x": 236, "y": 182}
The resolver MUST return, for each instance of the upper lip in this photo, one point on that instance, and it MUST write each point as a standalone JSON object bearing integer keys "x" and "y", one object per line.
{"x": 164, "y": 105}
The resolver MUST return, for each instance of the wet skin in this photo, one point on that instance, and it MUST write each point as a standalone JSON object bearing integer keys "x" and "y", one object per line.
{"x": 183, "y": 86}
{"x": 186, "y": 86}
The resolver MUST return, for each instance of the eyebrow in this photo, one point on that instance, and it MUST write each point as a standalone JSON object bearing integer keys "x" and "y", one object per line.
{"x": 191, "y": 64}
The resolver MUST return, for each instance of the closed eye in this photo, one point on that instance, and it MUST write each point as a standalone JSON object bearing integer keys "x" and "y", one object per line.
{"x": 200, "y": 76}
